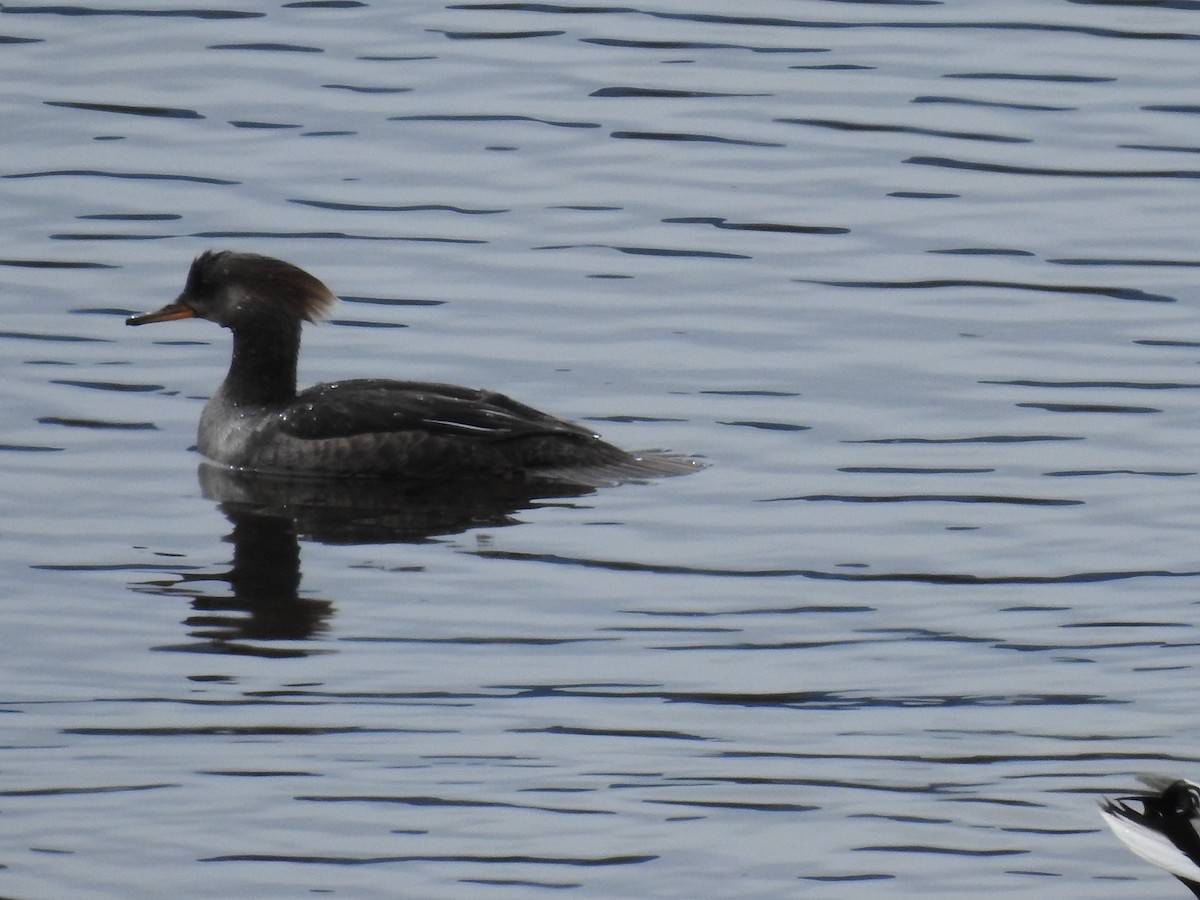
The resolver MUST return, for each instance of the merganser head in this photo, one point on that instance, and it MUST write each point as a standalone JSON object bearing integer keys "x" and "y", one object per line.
{"x": 232, "y": 288}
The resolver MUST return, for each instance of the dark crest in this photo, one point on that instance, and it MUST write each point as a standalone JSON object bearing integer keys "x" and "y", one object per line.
{"x": 305, "y": 295}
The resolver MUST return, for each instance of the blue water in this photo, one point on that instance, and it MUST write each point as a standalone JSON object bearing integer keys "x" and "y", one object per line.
{"x": 915, "y": 278}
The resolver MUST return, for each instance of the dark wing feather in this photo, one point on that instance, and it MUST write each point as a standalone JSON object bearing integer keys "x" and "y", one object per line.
{"x": 375, "y": 406}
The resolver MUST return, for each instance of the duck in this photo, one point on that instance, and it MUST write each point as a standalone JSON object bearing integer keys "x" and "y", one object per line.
{"x": 1161, "y": 825}
{"x": 257, "y": 420}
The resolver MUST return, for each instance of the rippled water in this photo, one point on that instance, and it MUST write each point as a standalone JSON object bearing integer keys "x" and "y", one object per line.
{"x": 915, "y": 277}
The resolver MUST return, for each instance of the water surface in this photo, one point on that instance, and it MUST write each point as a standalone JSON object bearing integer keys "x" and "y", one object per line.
{"x": 914, "y": 277}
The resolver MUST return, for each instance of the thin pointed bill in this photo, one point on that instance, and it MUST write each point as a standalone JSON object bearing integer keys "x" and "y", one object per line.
{"x": 166, "y": 314}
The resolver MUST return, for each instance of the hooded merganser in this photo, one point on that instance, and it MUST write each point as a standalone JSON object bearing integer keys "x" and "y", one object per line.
{"x": 1164, "y": 831}
{"x": 368, "y": 427}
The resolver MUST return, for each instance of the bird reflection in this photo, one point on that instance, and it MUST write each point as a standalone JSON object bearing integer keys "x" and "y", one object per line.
{"x": 264, "y": 613}
{"x": 264, "y": 579}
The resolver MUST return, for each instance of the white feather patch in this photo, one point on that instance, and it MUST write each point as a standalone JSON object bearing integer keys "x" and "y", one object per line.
{"x": 1152, "y": 846}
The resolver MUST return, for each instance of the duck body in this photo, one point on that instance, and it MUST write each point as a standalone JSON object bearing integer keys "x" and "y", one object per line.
{"x": 373, "y": 428}
{"x": 381, "y": 428}
{"x": 1161, "y": 825}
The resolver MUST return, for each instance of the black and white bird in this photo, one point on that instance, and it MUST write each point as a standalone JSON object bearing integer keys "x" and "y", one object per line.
{"x": 1160, "y": 825}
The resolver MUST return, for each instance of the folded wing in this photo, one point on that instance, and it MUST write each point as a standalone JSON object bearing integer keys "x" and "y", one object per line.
{"x": 373, "y": 406}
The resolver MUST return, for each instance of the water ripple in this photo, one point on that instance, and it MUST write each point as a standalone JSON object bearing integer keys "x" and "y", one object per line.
{"x": 825, "y": 700}
{"x": 102, "y": 789}
{"x": 947, "y": 578}
{"x": 53, "y": 338}
{"x": 495, "y": 35}
{"x": 492, "y": 118}
{"x": 361, "y": 89}
{"x": 843, "y": 125}
{"x": 449, "y": 802}
{"x": 718, "y": 222}
{"x": 335, "y": 235}
{"x": 693, "y": 45}
{"x": 979, "y": 439}
{"x": 151, "y": 13}
{"x": 1040, "y": 27}
{"x": 927, "y": 498}
{"x": 588, "y": 862}
{"x": 231, "y": 730}
{"x": 1124, "y": 385}
{"x": 269, "y": 46}
{"x": 383, "y": 207}
{"x": 996, "y": 104}
{"x": 662, "y": 93}
{"x": 1088, "y": 408}
{"x": 109, "y": 386}
{"x": 952, "y": 851}
{"x": 138, "y": 176}
{"x": 689, "y": 137}
{"x": 154, "y": 112}
{"x": 1111, "y": 261}
{"x": 650, "y": 251}
{"x": 738, "y": 805}
{"x": 1095, "y": 290}
{"x": 1001, "y": 169}
{"x": 1026, "y": 76}
{"x": 97, "y": 424}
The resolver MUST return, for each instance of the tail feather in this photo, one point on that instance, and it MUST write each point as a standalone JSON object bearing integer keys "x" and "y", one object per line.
{"x": 621, "y": 467}
{"x": 1162, "y": 831}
